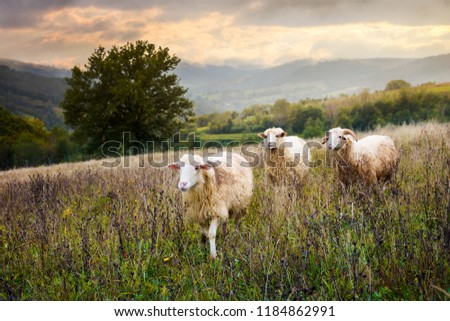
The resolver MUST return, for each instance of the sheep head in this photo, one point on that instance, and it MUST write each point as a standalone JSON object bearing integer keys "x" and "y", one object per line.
{"x": 190, "y": 167}
{"x": 337, "y": 138}
{"x": 271, "y": 136}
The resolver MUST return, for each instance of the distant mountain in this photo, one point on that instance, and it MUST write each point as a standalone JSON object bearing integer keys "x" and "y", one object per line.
{"x": 35, "y": 90}
{"x": 40, "y": 70}
{"x": 216, "y": 88}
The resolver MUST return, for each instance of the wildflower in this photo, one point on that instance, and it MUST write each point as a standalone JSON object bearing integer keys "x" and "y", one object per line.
{"x": 67, "y": 212}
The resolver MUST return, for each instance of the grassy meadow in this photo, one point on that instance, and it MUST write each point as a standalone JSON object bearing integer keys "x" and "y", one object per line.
{"x": 85, "y": 232}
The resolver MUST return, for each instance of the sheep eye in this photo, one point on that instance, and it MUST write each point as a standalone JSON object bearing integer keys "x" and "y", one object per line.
{"x": 340, "y": 137}
{"x": 197, "y": 168}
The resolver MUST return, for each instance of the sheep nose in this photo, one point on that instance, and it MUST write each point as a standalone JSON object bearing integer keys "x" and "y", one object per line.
{"x": 182, "y": 186}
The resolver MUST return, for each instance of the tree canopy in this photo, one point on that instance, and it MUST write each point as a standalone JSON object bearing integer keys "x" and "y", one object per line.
{"x": 126, "y": 89}
{"x": 397, "y": 84}
{"x": 24, "y": 141}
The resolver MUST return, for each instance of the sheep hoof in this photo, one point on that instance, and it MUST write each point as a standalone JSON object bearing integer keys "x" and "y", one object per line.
{"x": 213, "y": 256}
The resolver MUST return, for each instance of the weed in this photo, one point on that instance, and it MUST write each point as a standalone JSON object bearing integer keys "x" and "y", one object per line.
{"x": 89, "y": 233}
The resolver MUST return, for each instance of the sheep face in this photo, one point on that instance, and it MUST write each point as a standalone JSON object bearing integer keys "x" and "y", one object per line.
{"x": 190, "y": 167}
{"x": 271, "y": 136}
{"x": 337, "y": 138}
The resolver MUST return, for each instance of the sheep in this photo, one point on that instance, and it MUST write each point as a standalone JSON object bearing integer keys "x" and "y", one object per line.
{"x": 213, "y": 190}
{"x": 286, "y": 157}
{"x": 372, "y": 159}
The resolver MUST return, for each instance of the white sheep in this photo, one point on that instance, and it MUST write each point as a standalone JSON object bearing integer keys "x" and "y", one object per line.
{"x": 371, "y": 159}
{"x": 285, "y": 157}
{"x": 213, "y": 190}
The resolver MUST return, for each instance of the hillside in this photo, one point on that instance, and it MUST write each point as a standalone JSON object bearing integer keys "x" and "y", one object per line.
{"x": 224, "y": 88}
{"x": 29, "y": 89}
{"x": 40, "y": 70}
{"x": 29, "y": 94}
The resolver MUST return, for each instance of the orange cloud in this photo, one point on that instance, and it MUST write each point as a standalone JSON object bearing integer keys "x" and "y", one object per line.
{"x": 67, "y": 36}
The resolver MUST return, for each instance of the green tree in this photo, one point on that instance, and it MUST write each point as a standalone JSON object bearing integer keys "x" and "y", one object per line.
{"x": 314, "y": 127}
{"x": 62, "y": 148}
{"x": 302, "y": 115}
{"x": 29, "y": 151}
{"x": 126, "y": 89}
{"x": 256, "y": 118}
{"x": 365, "y": 117}
{"x": 280, "y": 112}
{"x": 23, "y": 140}
{"x": 221, "y": 123}
{"x": 343, "y": 120}
{"x": 397, "y": 84}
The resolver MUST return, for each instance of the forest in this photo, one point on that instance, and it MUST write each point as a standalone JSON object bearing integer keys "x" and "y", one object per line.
{"x": 397, "y": 104}
{"x": 25, "y": 142}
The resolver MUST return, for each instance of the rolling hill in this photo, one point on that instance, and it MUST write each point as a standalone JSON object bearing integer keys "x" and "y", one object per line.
{"x": 35, "y": 90}
{"x": 31, "y": 94}
{"x": 40, "y": 70}
{"x": 219, "y": 88}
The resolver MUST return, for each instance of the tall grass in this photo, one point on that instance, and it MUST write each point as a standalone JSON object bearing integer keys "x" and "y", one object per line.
{"x": 89, "y": 233}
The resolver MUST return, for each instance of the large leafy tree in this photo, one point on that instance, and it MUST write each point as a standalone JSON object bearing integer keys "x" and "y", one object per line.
{"x": 301, "y": 116}
{"x": 126, "y": 89}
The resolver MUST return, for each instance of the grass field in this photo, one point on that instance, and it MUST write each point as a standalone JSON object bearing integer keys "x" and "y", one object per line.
{"x": 439, "y": 88}
{"x": 230, "y": 137}
{"x": 85, "y": 232}
{"x": 236, "y": 137}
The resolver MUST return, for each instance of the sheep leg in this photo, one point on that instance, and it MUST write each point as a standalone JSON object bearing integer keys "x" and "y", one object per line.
{"x": 215, "y": 223}
{"x": 237, "y": 221}
{"x": 204, "y": 232}
{"x": 224, "y": 229}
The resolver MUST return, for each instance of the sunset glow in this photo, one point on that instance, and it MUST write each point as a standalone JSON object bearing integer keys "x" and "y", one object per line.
{"x": 235, "y": 33}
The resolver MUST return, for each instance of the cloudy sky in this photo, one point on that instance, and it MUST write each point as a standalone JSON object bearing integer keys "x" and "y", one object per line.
{"x": 64, "y": 33}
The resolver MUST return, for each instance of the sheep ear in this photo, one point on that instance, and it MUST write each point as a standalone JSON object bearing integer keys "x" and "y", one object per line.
{"x": 282, "y": 134}
{"x": 206, "y": 166}
{"x": 324, "y": 140}
{"x": 262, "y": 135}
{"x": 174, "y": 166}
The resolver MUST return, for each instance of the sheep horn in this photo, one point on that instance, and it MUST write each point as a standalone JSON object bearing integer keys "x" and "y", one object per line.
{"x": 349, "y": 132}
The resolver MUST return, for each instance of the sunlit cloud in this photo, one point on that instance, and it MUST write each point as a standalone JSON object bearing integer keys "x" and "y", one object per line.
{"x": 222, "y": 41}
{"x": 230, "y": 32}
